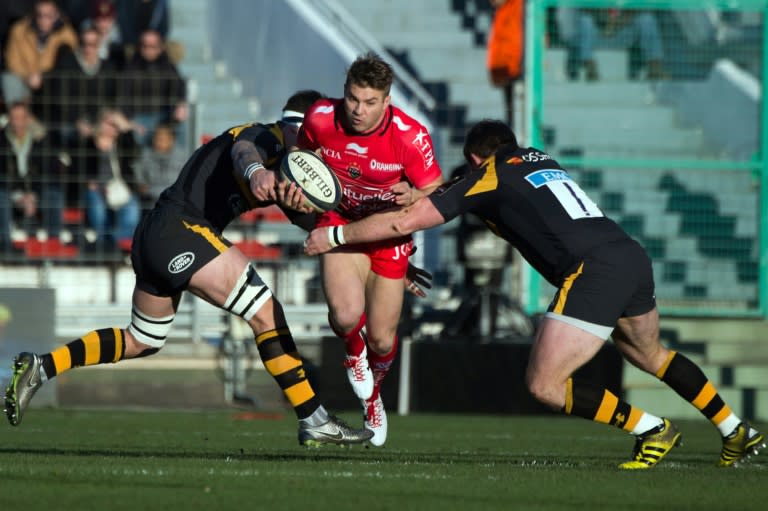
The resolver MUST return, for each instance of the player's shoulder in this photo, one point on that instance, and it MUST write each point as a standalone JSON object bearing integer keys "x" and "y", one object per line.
{"x": 323, "y": 107}
{"x": 404, "y": 123}
{"x": 407, "y": 132}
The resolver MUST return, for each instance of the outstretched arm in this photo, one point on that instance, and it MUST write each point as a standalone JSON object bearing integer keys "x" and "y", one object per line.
{"x": 390, "y": 224}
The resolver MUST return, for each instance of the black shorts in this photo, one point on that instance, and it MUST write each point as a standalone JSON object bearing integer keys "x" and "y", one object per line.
{"x": 614, "y": 281}
{"x": 169, "y": 246}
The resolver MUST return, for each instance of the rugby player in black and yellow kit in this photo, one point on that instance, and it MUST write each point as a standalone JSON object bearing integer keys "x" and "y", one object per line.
{"x": 604, "y": 284}
{"x": 179, "y": 246}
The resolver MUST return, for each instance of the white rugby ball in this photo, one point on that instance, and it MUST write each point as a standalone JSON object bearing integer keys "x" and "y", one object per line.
{"x": 321, "y": 187}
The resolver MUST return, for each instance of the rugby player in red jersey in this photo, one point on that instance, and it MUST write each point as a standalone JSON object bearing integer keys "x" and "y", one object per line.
{"x": 383, "y": 158}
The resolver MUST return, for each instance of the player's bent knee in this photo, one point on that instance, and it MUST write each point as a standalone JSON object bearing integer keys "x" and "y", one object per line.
{"x": 148, "y": 330}
{"x": 346, "y": 319}
{"x": 543, "y": 392}
{"x": 249, "y": 294}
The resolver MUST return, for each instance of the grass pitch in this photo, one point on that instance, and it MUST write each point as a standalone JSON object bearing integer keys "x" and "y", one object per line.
{"x": 73, "y": 459}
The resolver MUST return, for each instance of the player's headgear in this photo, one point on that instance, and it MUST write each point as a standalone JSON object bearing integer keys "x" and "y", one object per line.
{"x": 485, "y": 137}
{"x": 298, "y": 104}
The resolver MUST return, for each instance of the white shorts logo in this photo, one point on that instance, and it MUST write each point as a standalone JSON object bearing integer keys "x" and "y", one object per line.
{"x": 181, "y": 262}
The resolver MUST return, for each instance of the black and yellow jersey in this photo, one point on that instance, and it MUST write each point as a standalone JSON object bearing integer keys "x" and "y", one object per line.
{"x": 525, "y": 197}
{"x": 209, "y": 186}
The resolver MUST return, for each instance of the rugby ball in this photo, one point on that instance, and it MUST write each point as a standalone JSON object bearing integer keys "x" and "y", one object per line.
{"x": 321, "y": 187}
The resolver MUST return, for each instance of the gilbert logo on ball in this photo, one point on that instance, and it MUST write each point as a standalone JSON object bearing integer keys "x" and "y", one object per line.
{"x": 321, "y": 187}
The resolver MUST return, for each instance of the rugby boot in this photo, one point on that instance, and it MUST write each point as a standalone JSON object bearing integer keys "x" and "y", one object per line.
{"x": 375, "y": 419}
{"x": 359, "y": 374}
{"x": 744, "y": 442}
{"x": 24, "y": 383}
{"x": 652, "y": 446}
{"x": 335, "y": 431}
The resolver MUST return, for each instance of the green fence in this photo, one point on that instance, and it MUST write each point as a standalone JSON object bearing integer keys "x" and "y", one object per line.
{"x": 656, "y": 107}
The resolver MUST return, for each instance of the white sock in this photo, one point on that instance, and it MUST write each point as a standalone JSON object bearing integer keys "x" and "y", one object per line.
{"x": 728, "y": 425}
{"x": 318, "y": 417}
{"x": 646, "y": 423}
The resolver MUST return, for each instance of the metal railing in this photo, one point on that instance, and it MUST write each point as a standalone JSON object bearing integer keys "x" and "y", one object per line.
{"x": 678, "y": 159}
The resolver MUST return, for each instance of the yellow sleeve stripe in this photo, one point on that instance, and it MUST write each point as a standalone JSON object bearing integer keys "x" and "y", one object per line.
{"x": 488, "y": 182}
{"x": 237, "y": 129}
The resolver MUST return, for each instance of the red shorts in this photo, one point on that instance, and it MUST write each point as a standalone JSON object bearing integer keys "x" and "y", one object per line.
{"x": 389, "y": 258}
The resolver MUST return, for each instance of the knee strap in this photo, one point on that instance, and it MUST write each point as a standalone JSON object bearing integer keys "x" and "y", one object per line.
{"x": 249, "y": 294}
{"x": 148, "y": 330}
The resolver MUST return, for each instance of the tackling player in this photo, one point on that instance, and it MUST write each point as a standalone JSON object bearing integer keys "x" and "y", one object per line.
{"x": 604, "y": 284}
{"x": 383, "y": 158}
{"x": 179, "y": 246}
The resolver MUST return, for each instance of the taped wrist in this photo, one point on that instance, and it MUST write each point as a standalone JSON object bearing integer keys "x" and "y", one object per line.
{"x": 336, "y": 235}
{"x": 251, "y": 169}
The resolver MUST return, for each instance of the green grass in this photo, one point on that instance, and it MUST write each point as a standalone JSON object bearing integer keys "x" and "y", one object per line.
{"x": 74, "y": 459}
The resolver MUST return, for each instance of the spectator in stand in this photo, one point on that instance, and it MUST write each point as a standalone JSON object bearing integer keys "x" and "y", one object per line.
{"x": 151, "y": 89}
{"x": 103, "y": 19}
{"x": 31, "y": 49}
{"x": 583, "y": 30}
{"x": 506, "y": 50}
{"x": 103, "y": 160}
{"x": 30, "y": 178}
{"x": 77, "y": 11}
{"x": 137, "y": 16}
{"x": 79, "y": 86}
{"x": 10, "y": 13}
{"x": 158, "y": 165}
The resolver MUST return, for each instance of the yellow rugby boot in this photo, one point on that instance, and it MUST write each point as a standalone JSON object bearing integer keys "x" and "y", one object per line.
{"x": 744, "y": 442}
{"x": 652, "y": 446}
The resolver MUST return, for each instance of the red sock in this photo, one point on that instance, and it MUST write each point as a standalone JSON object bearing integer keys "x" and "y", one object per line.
{"x": 355, "y": 339}
{"x": 380, "y": 365}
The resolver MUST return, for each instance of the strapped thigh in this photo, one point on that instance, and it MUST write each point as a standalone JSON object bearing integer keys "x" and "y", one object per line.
{"x": 249, "y": 294}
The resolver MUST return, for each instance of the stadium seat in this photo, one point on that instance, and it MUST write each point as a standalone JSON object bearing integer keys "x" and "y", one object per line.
{"x": 256, "y": 250}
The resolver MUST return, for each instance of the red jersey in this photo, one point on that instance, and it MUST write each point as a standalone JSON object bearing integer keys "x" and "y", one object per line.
{"x": 368, "y": 165}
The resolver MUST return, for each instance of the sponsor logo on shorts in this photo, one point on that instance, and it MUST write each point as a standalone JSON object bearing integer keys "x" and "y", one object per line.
{"x": 181, "y": 262}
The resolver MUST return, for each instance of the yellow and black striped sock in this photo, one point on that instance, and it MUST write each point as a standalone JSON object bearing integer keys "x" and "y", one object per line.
{"x": 283, "y": 362}
{"x": 690, "y": 382}
{"x": 600, "y": 405}
{"x": 98, "y": 347}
